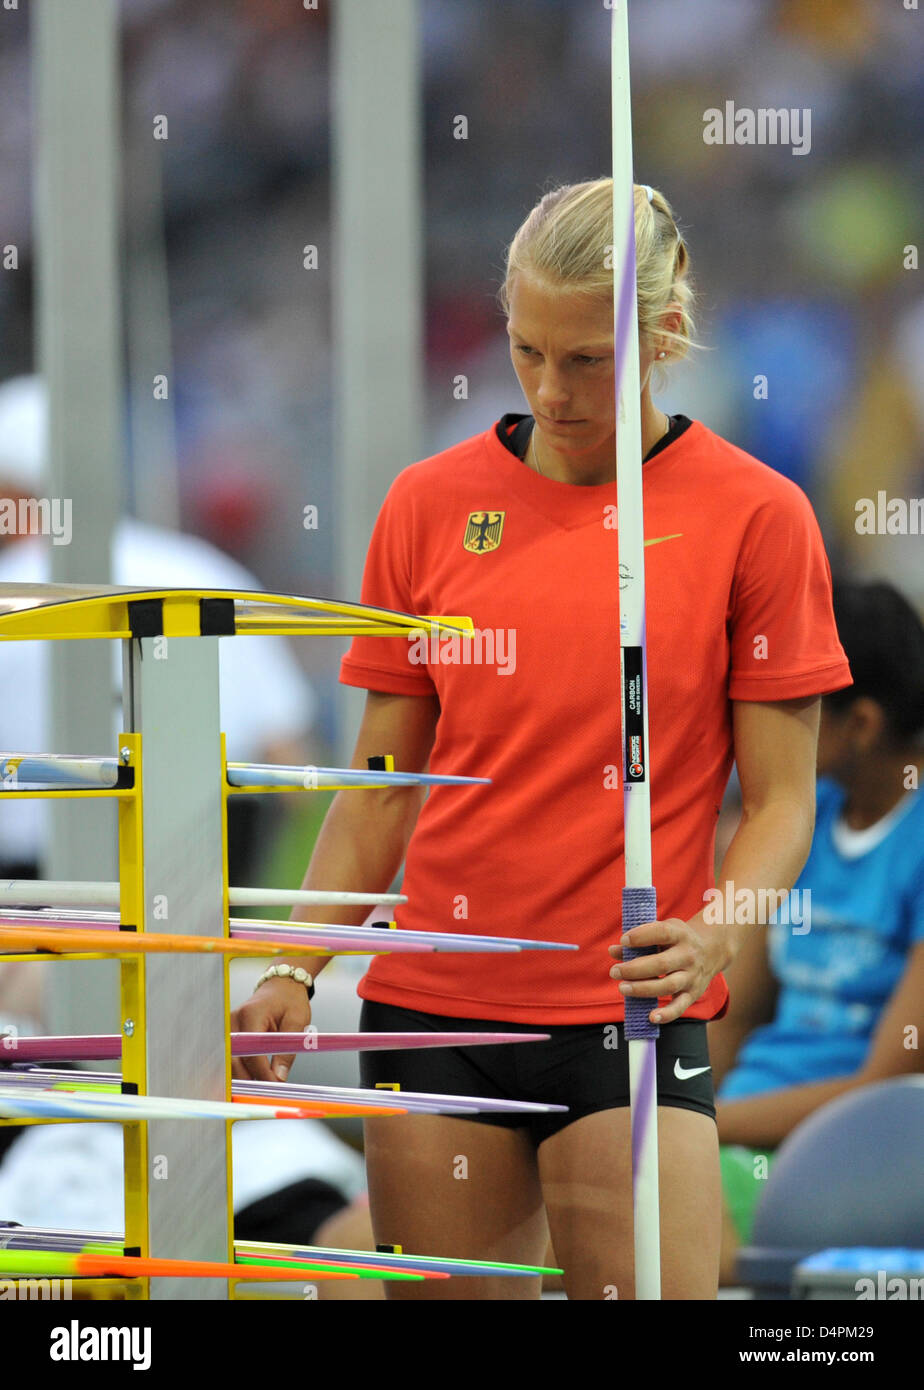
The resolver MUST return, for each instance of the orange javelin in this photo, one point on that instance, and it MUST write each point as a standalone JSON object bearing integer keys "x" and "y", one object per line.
{"x": 62, "y": 942}
{"x": 311, "y": 1108}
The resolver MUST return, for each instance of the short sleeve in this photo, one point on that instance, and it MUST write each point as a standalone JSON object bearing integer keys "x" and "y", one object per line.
{"x": 784, "y": 642}
{"x": 384, "y": 663}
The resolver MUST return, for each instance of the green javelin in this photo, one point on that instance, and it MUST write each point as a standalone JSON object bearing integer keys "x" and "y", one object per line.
{"x": 58, "y": 1264}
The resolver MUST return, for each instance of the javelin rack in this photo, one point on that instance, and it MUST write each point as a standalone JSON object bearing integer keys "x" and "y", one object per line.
{"x": 172, "y": 795}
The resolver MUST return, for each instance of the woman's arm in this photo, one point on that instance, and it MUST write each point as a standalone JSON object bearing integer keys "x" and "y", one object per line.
{"x": 360, "y": 847}
{"x": 775, "y": 747}
{"x": 365, "y": 834}
{"x": 767, "y": 1119}
{"x": 753, "y": 990}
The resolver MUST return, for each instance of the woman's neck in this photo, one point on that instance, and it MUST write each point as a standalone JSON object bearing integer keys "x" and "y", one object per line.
{"x": 590, "y": 470}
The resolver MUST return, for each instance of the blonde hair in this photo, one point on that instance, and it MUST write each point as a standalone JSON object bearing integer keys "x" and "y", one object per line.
{"x": 567, "y": 241}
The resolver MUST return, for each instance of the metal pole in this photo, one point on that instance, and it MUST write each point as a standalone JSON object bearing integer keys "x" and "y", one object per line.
{"x": 377, "y": 287}
{"x": 77, "y": 122}
{"x": 155, "y": 471}
{"x": 171, "y": 699}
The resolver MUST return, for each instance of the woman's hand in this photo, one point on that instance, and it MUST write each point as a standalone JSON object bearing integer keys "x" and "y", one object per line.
{"x": 689, "y": 957}
{"x": 278, "y": 1006}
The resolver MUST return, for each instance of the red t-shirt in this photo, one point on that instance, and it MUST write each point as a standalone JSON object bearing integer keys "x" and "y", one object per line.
{"x": 739, "y": 607}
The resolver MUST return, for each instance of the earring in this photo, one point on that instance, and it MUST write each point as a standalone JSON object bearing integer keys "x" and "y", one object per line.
{"x": 662, "y": 354}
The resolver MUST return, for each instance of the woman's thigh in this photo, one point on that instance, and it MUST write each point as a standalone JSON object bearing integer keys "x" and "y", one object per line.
{"x": 470, "y": 1191}
{"x": 586, "y": 1176}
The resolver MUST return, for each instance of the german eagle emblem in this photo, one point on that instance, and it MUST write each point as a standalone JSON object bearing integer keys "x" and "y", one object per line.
{"x": 483, "y": 532}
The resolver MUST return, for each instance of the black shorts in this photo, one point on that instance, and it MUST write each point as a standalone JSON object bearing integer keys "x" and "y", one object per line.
{"x": 583, "y": 1066}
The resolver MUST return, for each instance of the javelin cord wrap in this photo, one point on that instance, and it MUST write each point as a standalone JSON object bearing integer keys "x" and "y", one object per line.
{"x": 638, "y": 905}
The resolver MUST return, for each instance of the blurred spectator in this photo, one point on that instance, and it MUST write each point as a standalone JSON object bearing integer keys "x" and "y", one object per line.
{"x": 824, "y": 1002}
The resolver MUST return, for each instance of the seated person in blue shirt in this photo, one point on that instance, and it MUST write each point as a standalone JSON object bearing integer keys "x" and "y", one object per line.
{"x": 832, "y": 1002}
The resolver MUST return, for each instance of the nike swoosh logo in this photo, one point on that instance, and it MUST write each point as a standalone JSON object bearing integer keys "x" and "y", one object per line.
{"x": 658, "y": 539}
{"x": 684, "y": 1073}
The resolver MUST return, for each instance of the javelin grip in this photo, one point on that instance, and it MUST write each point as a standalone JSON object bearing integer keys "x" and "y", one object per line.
{"x": 639, "y": 905}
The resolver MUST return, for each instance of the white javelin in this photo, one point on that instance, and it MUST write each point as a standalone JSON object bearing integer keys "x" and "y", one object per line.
{"x": 638, "y": 899}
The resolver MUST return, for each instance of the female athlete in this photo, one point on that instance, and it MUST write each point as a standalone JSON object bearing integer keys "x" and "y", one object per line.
{"x": 516, "y": 527}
